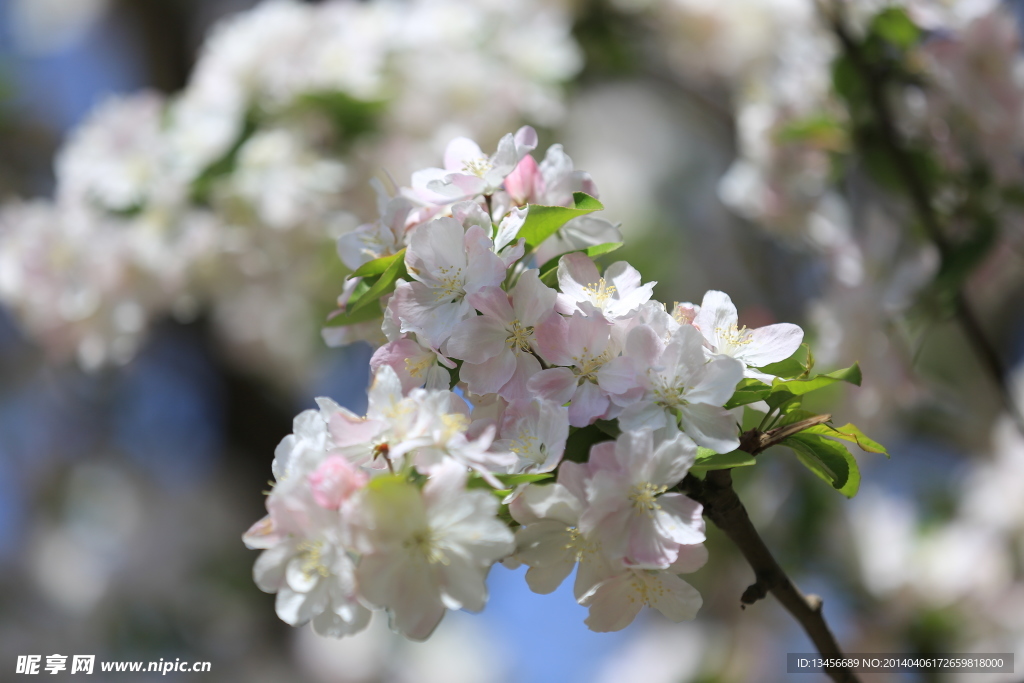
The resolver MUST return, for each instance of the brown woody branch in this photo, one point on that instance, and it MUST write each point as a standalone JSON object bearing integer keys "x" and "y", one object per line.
{"x": 723, "y": 507}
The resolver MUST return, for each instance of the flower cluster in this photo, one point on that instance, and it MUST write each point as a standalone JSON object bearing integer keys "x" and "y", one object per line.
{"x": 225, "y": 196}
{"x": 500, "y": 338}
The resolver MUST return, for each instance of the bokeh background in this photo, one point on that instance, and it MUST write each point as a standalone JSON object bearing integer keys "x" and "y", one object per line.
{"x": 160, "y": 321}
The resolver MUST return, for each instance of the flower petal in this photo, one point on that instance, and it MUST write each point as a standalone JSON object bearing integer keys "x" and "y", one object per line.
{"x": 478, "y": 339}
{"x": 771, "y": 343}
{"x": 555, "y": 384}
{"x": 710, "y": 426}
{"x": 613, "y": 605}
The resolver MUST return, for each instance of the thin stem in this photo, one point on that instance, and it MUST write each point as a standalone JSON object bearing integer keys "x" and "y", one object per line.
{"x": 724, "y": 508}
{"x": 917, "y": 188}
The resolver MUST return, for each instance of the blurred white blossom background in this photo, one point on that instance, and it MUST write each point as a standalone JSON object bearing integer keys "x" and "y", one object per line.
{"x": 167, "y": 261}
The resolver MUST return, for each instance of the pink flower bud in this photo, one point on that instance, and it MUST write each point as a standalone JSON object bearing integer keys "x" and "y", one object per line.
{"x": 334, "y": 481}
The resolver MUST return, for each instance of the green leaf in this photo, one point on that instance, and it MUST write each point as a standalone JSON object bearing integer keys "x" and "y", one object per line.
{"x": 577, "y": 447}
{"x": 828, "y": 459}
{"x": 798, "y": 387}
{"x": 513, "y": 480}
{"x": 377, "y": 266}
{"x": 847, "y": 82}
{"x": 780, "y": 396}
{"x": 384, "y": 284}
{"x": 893, "y": 25}
{"x": 510, "y": 481}
{"x": 795, "y": 415}
{"x": 797, "y": 365}
{"x": 820, "y": 130}
{"x": 601, "y": 249}
{"x": 708, "y": 460}
{"x": 748, "y": 391}
{"x": 350, "y": 317}
{"x": 203, "y": 184}
{"x": 609, "y": 427}
{"x": 352, "y": 117}
{"x": 549, "y": 271}
{"x": 849, "y": 432}
{"x": 751, "y": 419}
{"x": 544, "y": 221}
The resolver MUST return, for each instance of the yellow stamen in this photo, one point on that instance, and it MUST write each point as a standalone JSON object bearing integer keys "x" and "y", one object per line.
{"x": 478, "y": 167}
{"x": 601, "y": 292}
{"x": 417, "y": 368}
{"x": 311, "y": 554}
{"x": 644, "y": 497}
{"x": 451, "y": 283}
{"x": 423, "y": 544}
{"x": 734, "y": 336}
{"x": 520, "y": 337}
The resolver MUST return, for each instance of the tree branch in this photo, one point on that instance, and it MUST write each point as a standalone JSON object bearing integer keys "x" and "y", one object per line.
{"x": 754, "y": 441}
{"x": 723, "y": 507}
{"x": 917, "y": 188}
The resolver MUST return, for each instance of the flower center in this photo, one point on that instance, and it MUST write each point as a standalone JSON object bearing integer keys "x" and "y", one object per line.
{"x": 733, "y": 335}
{"x": 453, "y": 423}
{"x": 526, "y": 447}
{"x": 666, "y": 393}
{"x": 579, "y": 544}
{"x": 478, "y": 167}
{"x": 519, "y": 337}
{"x": 423, "y": 544}
{"x": 645, "y": 591}
{"x": 585, "y": 366}
{"x": 644, "y": 497}
{"x": 450, "y": 283}
{"x": 417, "y": 368}
{"x": 600, "y": 293}
{"x": 311, "y": 556}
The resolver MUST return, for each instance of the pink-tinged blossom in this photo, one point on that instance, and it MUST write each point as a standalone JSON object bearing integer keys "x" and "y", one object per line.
{"x": 628, "y": 508}
{"x": 448, "y": 262}
{"x": 506, "y": 246}
{"x": 371, "y": 241}
{"x": 415, "y": 365}
{"x": 303, "y": 449}
{"x": 553, "y": 183}
{"x": 424, "y": 551}
{"x": 470, "y": 173}
{"x": 445, "y": 420}
{"x": 684, "y": 312}
{"x": 718, "y": 322}
{"x": 504, "y": 243}
{"x": 550, "y": 541}
{"x": 497, "y": 346}
{"x": 392, "y": 426}
{"x": 618, "y": 293}
{"x": 651, "y": 314}
{"x": 525, "y": 183}
{"x": 536, "y": 432}
{"x": 314, "y": 581}
{"x": 681, "y": 386}
{"x": 305, "y": 562}
{"x": 593, "y": 379}
{"x": 334, "y": 481}
{"x": 615, "y": 602}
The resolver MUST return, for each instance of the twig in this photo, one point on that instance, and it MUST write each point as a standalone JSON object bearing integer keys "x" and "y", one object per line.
{"x": 723, "y": 507}
{"x": 755, "y": 441}
{"x": 920, "y": 198}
